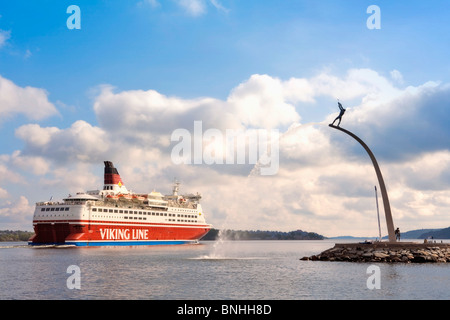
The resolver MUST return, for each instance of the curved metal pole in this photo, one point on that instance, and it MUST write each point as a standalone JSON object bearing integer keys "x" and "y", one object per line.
{"x": 384, "y": 195}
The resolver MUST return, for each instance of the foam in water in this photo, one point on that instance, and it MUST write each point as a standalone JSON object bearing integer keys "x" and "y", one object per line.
{"x": 225, "y": 249}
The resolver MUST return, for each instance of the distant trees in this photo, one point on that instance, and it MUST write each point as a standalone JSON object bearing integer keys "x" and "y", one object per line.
{"x": 9, "y": 235}
{"x": 436, "y": 234}
{"x": 213, "y": 234}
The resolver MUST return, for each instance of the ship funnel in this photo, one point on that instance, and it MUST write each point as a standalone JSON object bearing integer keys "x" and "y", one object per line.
{"x": 112, "y": 180}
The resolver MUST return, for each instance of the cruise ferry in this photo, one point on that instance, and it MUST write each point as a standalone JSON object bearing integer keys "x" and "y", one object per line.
{"x": 116, "y": 216}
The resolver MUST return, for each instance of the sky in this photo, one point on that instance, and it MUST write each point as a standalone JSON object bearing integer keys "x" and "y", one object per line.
{"x": 116, "y": 79}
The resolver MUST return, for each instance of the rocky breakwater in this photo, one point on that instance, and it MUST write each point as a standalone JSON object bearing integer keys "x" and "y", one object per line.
{"x": 385, "y": 252}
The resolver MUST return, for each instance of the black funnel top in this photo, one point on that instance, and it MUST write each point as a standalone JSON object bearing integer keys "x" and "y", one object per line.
{"x": 109, "y": 168}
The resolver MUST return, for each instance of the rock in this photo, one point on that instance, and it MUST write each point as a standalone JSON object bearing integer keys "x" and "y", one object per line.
{"x": 346, "y": 258}
{"x": 432, "y": 257}
{"x": 304, "y": 259}
{"x": 418, "y": 258}
{"x": 385, "y": 252}
{"x": 405, "y": 259}
{"x": 380, "y": 255}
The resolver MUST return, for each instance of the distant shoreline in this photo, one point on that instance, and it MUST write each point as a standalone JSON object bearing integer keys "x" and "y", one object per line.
{"x": 15, "y": 235}
{"x": 213, "y": 234}
{"x": 226, "y": 234}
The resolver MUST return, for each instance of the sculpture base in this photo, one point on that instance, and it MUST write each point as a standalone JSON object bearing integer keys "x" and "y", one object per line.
{"x": 403, "y": 252}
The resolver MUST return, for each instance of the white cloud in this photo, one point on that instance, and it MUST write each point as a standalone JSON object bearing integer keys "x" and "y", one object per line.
{"x": 35, "y": 135}
{"x": 219, "y": 6}
{"x": 76, "y": 177}
{"x": 397, "y": 76}
{"x": 153, "y": 3}
{"x": 81, "y": 142}
{"x": 365, "y": 83}
{"x": 193, "y": 7}
{"x": 16, "y": 214}
{"x": 27, "y": 54}
{"x": 4, "y": 36}
{"x": 325, "y": 182}
{"x": 261, "y": 102}
{"x": 3, "y": 193}
{"x": 29, "y": 101}
{"x": 31, "y": 164}
{"x": 148, "y": 117}
{"x": 8, "y": 176}
{"x": 412, "y": 120}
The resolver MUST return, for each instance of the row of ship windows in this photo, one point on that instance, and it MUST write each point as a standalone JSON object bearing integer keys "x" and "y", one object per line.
{"x": 55, "y": 209}
{"x": 144, "y": 218}
{"x": 165, "y": 214}
{"x": 54, "y": 215}
{"x": 180, "y": 210}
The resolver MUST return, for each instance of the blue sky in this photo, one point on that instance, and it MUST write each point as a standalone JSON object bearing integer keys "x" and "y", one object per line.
{"x": 191, "y": 50}
{"x": 133, "y": 44}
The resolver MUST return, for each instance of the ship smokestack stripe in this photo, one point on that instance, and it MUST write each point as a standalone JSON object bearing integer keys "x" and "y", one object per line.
{"x": 111, "y": 174}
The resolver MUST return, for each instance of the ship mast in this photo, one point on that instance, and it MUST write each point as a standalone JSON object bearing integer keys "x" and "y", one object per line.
{"x": 175, "y": 188}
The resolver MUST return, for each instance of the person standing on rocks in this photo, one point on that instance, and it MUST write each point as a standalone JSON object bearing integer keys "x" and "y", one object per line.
{"x": 397, "y": 234}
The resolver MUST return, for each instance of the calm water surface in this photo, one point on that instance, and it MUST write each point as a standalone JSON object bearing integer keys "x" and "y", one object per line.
{"x": 210, "y": 270}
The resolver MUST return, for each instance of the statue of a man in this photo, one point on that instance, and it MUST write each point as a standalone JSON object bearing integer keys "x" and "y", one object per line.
{"x": 339, "y": 117}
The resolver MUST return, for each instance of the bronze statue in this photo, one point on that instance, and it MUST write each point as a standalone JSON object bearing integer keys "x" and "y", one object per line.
{"x": 339, "y": 117}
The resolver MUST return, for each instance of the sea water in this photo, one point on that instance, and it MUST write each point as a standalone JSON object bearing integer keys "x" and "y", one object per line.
{"x": 219, "y": 270}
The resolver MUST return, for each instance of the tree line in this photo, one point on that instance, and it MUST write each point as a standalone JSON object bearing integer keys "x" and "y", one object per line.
{"x": 214, "y": 234}
{"x": 18, "y": 235}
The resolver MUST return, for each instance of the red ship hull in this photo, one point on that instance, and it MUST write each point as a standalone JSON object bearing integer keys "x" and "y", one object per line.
{"x": 81, "y": 233}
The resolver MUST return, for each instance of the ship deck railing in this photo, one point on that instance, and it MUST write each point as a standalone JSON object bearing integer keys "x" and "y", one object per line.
{"x": 120, "y": 204}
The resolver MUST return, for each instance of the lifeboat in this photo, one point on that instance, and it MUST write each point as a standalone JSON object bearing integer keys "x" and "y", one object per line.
{"x": 124, "y": 196}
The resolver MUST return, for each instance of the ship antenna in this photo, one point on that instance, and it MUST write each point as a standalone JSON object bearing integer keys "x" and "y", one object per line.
{"x": 176, "y": 187}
